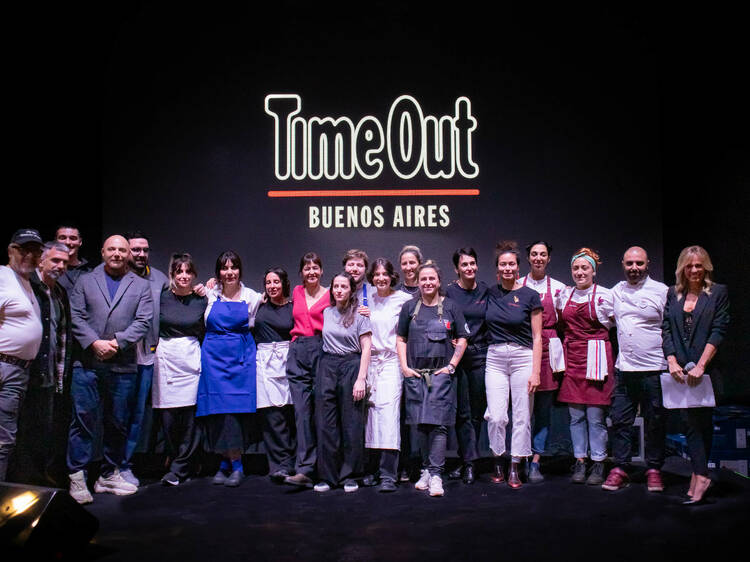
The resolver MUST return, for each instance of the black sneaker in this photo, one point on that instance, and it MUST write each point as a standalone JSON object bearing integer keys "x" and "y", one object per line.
{"x": 170, "y": 479}
{"x": 596, "y": 477}
{"x": 579, "y": 472}
{"x": 387, "y": 486}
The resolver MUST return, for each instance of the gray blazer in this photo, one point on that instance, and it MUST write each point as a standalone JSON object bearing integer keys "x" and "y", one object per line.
{"x": 126, "y": 318}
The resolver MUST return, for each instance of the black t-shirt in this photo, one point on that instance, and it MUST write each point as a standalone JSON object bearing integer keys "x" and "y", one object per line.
{"x": 417, "y": 346}
{"x": 273, "y": 323}
{"x": 181, "y": 316}
{"x": 509, "y": 314}
{"x": 473, "y": 304}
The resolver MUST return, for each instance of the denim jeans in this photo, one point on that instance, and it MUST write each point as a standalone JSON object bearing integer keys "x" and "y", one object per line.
{"x": 13, "y": 382}
{"x": 544, "y": 401}
{"x": 100, "y": 397}
{"x": 433, "y": 440}
{"x": 588, "y": 429}
{"x": 141, "y": 409}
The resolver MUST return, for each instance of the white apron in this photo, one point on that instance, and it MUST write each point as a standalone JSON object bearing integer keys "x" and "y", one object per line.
{"x": 177, "y": 370}
{"x": 272, "y": 384}
{"x": 385, "y": 384}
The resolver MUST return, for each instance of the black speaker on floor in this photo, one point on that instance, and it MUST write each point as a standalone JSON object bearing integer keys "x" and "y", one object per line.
{"x": 43, "y": 520}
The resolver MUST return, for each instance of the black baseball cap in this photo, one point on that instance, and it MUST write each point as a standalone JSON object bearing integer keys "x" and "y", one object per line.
{"x": 25, "y": 235}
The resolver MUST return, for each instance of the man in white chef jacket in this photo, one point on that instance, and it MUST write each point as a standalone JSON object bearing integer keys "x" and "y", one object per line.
{"x": 639, "y": 307}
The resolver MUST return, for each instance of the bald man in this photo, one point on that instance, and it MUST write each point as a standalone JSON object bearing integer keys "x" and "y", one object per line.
{"x": 639, "y": 307}
{"x": 111, "y": 310}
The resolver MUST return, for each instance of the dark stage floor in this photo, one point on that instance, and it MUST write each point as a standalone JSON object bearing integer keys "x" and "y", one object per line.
{"x": 554, "y": 520}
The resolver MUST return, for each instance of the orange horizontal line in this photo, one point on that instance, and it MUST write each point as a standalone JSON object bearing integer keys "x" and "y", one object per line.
{"x": 372, "y": 192}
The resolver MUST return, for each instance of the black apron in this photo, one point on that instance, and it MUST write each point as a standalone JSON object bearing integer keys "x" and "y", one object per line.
{"x": 430, "y": 399}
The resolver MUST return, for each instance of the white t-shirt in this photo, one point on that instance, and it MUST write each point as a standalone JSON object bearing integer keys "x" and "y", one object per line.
{"x": 20, "y": 317}
{"x": 252, "y": 298}
{"x": 603, "y": 305}
{"x": 541, "y": 287}
{"x": 639, "y": 310}
{"x": 384, "y": 314}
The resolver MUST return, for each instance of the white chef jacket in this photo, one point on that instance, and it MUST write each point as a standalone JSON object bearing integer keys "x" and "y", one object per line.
{"x": 639, "y": 310}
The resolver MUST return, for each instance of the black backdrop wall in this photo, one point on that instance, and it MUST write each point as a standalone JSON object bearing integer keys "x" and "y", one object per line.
{"x": 604, "y": 129}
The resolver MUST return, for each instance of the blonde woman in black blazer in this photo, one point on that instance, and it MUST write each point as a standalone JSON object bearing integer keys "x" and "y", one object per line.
{"x": 696, "y": 318}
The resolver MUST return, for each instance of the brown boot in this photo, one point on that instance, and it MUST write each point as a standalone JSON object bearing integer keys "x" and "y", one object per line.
{"x": 514, "y": 480}
{"x": 498, "y": 477}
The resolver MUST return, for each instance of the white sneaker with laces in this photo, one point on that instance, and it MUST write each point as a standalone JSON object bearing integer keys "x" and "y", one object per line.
{"x": 436, "y": 486}
{"x": 321, "y": 487}
{"x": 424, "y": 480}
{"x": 128, "y": 476}
{"x": 350, "y": 486}
{"x": 78, "y": 490}
{"x": 114, "y": 484}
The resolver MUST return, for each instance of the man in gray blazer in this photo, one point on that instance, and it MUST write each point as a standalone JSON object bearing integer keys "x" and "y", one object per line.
{"x": 111, "y": 310}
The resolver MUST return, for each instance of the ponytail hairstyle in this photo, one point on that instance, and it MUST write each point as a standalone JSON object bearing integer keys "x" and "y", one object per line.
{"x": 431, "y": 264}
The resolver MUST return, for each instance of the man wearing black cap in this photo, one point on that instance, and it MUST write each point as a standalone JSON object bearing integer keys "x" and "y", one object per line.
{"x": 20, "y": 333}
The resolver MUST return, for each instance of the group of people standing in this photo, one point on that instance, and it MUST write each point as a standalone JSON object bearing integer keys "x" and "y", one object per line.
{"x": 344, "y": 378}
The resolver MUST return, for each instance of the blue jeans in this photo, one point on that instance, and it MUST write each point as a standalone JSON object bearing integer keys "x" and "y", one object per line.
{"x": 142, "y": 407}
{"x": 544, "y": 401}
{"x": 588, "y": 429}
{"x": 100, "y": 397}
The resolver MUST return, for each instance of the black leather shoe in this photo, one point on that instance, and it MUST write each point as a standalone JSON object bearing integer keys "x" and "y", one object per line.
{"x": 455, "y": 474}
{"x": 469, "y": 474}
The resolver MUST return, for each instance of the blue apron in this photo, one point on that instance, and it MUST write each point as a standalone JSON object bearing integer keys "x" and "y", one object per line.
{"x": 227, "y": 383}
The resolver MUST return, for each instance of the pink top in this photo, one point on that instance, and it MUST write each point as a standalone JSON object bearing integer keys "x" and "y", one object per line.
{"x": 308, "y": 321}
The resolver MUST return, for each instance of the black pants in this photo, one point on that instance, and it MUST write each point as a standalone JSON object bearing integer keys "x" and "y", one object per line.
{"x": 301, "y": 366}
{"x": 632, "y": 389}
{"x": 278, "y": 437}
{"x": 182, "y": 437}
{"x": 699, "y": 433}
{"x": 472, "y": 402}
{"x": 384, "y": 463}
{"x": 340, "y": 420}
{"x": 410, "y": 456}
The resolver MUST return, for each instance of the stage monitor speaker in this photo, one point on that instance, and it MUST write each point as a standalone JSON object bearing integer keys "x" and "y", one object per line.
{"x": 43, "y": 520}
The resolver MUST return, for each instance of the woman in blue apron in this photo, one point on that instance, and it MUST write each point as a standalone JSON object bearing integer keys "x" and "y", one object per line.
{"x": 226, "y": 391}
{"x": 428, "y": 360}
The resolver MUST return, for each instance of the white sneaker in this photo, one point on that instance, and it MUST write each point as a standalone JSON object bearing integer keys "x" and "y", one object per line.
{"x": 78, "y": 490}
{"x": 436, "y": 486}
{"x": 321, "y": 487}
{"x": 424, "y": 480}
{"x": 128, "y": 476}
{"x": 350, "y": 486}
{"x": 114, "y": 484}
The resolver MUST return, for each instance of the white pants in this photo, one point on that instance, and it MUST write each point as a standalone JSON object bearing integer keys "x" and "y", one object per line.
{"x": 383, "y": 429}
{"x": 507, "y": 374}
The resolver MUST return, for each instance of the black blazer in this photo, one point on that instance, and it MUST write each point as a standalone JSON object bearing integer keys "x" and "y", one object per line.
{"x": 710, "y": 323}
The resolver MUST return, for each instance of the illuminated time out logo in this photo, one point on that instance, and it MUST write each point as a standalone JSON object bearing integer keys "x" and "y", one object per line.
{"x": 339, "y": 148}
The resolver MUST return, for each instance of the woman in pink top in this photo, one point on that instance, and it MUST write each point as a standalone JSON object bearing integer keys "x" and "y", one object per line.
{"x": 309, "y": 300}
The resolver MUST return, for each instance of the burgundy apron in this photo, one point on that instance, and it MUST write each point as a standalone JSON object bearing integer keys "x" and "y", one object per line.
{"x": 548, "y": 381}
{"x": 581, "y": 325}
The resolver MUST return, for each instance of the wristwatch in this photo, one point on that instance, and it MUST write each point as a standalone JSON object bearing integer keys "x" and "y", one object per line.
{"x": 451, "y": 368}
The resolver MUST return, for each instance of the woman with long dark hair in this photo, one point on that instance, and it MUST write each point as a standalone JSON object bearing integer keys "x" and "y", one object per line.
{"x": 272, "y": 333}
{"x": 696, "y": 318}
{"x": 340, "y": 386}
{"x": 226, "y": 390}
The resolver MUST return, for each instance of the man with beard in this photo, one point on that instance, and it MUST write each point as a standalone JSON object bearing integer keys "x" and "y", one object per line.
{"x": 39, "y": 457}
{"x": 140, "y": 252}
{"x": 20, "y": 333}
{"x": 639, "y": 303}
{"x": 111, "y": 310}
